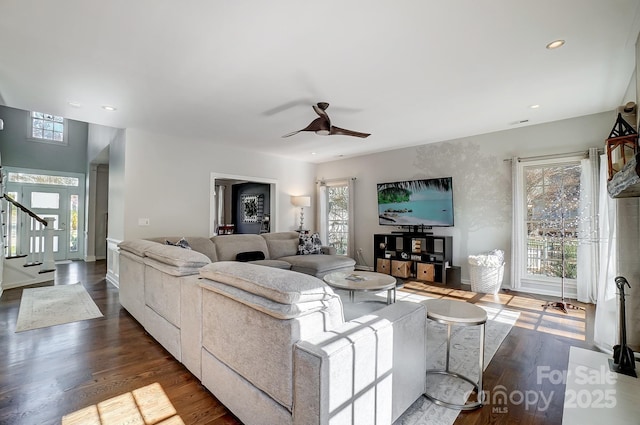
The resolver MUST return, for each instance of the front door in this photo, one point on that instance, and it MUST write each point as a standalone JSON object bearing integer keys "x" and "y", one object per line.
{"x": 49, "y": 202}
{"x": 49, "y": 196}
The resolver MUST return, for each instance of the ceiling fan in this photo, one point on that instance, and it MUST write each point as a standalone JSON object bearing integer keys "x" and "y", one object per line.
{"x": 322, "y": 125}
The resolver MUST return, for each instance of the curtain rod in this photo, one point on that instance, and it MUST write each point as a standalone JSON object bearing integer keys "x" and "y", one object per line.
{"x": 554, "y": 155}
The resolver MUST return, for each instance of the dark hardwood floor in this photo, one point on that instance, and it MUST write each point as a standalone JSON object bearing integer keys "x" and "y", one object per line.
{"x": 91, "y": 366}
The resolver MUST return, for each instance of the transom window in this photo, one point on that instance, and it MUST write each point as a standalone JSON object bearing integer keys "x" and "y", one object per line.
{"x": 47, "y": 127}
{"x": 15, "y": 177}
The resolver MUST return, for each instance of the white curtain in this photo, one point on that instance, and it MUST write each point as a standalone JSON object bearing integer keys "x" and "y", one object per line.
{"x": 218, "y": 214}
{"x": 606, "y": 320}
{"x": 351, "y": 251}
{"x": 323, "y": 207}
{"x": 517, "y": 234}
{"x": 588, "y": 238}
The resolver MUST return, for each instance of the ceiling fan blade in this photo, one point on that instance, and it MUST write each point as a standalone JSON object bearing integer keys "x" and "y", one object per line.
{"x": 341, "y": 131}
{"x": 319, "y": 124}
{"x": 292, "y": 133}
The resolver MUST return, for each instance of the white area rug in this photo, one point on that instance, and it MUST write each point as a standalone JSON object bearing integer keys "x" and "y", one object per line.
{"x": 55, "y": 305}
{"x": 465, "y": 343}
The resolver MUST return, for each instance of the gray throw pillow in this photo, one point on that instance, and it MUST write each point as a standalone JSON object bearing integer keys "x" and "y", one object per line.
{"x": 182, "y": 243}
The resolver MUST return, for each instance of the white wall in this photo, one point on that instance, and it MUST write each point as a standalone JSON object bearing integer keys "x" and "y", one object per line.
{"x": 167, "y": 180}
{"x": 481, "y": 179}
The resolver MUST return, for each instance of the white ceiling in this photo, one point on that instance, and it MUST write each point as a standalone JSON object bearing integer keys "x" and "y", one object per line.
{"x": 246, "y": 72}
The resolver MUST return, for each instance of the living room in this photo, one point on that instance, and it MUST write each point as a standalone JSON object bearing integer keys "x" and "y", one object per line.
{"x": 161, "y": 167}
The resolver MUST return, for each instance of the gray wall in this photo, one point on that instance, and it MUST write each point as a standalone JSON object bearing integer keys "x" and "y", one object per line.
{"x": 249, "y": 189}
{"x": 481, "y": 180}
{"x": 17, "y": 151}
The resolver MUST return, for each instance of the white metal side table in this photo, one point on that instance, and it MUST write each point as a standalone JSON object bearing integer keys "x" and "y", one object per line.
{"x": 459, "y": 313}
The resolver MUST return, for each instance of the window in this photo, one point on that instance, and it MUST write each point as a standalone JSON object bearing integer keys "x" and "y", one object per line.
{"x": 338, "y": 217}
{"x": 553, "y": 197}
{"x": 336, "y": 212}
{"x": 549, "y": 193}
{"x": 47, "y": 128}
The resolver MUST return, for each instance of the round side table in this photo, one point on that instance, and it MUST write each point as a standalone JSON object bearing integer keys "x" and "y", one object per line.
{"x": 459, "y": 313}
{"x": 363, "y": 282}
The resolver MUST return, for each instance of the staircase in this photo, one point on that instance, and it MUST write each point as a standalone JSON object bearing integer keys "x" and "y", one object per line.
{"x": 23, "y": 263}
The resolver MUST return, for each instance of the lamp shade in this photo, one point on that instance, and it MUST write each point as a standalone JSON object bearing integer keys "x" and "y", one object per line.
{"x": 301, "y": 201}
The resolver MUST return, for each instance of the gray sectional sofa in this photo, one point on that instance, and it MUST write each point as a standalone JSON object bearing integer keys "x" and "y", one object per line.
{"x": 272, "y": 344}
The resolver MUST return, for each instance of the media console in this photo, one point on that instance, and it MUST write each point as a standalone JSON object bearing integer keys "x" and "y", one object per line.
{"x": 419, "y": 255}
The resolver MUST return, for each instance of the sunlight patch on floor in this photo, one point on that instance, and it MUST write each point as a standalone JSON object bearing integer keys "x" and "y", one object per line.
{"x": 506, "y": 307}
{"x": 148, "y": 405}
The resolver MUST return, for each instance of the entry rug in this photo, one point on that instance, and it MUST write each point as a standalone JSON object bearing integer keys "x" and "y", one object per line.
{"x": 55, "y": 305}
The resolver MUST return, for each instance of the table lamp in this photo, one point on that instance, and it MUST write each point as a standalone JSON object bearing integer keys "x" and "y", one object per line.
{"x": 301, "y": 201}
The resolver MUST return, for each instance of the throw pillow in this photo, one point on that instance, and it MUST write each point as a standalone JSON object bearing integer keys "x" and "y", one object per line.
{"x": 250, "y": 256}
{"x": 309, "y": 244}
{"x": 182, "y": 243}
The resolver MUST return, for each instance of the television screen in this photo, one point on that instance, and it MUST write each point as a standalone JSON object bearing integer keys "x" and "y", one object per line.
{"x": 425, "y": 202}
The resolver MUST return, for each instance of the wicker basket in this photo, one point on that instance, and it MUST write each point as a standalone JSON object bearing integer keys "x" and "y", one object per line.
{"x": 486, "y": 280}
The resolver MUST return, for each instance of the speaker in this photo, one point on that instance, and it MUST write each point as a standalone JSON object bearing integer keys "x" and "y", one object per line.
{"x": 438, "y": 246}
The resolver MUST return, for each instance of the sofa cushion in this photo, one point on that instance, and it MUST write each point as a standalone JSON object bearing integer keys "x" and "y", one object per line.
{"x": 197, "y": 243}
{"x": 319, "y": 263}
{"x": 228, "y": 246}
{"x": 273, "y": 263}
{"x": 309, "y": 244}
{"x": 281, "y": 286}
{"x": 136, "y": 246}
{"x": 171, "y": 270}
{"x": 178, "y": 257}
{"x": 274, "y": 309}
{"x": 281, "y": 244}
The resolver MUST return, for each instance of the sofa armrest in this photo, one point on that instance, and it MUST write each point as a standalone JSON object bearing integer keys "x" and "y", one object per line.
{"x": 376, "y": 360}
{"x": 329, "y": 250}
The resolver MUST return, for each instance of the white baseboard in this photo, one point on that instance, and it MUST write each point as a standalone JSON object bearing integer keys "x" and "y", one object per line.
{"x": 112, "y": 280}
{"x": 89, "y": 258}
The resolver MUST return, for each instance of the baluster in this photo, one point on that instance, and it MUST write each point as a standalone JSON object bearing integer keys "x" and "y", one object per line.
{"x": 31, "y": 242}
{"x": 40, "y": 227}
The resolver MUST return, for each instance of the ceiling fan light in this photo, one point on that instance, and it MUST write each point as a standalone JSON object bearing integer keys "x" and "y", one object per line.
{"x": 322, "y": 132}
{"x": 555, "y": 44}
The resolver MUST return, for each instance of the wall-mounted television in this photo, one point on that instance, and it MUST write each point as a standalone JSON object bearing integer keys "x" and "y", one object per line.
{"x": 424, "y": 202}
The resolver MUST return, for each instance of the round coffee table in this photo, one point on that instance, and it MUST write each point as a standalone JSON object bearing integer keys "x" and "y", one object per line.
{"x": 363, "y": 282}
{"x": 450, "y": 312}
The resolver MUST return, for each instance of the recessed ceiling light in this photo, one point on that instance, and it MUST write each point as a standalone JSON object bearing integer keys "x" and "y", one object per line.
{"x": 313, "y": 153}
{"x": 555, "y": 44}
{"x": 108, "y": 108}
{"x": 534, "y": 106}
{"x": 75, "y": 104}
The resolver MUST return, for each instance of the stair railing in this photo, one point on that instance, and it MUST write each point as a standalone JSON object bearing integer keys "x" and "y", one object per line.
{"x": 39, "y": 232}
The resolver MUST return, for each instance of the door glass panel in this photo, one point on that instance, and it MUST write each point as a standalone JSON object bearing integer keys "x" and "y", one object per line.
{"x": 73, "y": 223}
{"x": 45, "y": 200}
{"x": 36, "y": 225}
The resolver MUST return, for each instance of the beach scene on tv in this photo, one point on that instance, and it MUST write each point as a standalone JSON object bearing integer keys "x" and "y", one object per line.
{"x": 427, "y": 202}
